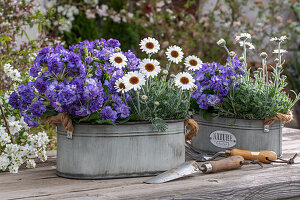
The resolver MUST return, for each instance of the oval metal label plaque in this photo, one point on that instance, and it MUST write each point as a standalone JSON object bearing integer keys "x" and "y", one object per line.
{"x": 222, "y": 139}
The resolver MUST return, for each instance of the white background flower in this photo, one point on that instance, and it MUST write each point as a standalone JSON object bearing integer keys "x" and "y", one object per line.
{"x": 184, "y": 80}
{"x": 149, "y": 67}
{"x": 243, "y": 37}
{"x": 281, "y": 51}
{"x": 120, "y": 85}
{"x": 249, "y": 45}
{"x": 193, "y": 63}
{"x": 149, "y": 45}
{"x": 134, "y": 80}
{"x": 118, "y": 60}
{"x": 174, "y": 54}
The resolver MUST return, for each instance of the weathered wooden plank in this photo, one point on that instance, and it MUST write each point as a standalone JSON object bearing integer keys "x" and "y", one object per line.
{"x": 251, "y": 182}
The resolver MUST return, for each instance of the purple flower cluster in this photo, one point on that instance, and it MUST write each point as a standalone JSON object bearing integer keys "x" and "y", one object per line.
{"x": 79, "y": 80}
{"x": 213, "y": 82}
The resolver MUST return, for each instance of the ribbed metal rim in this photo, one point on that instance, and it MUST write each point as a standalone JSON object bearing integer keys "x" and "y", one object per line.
{"x": 101, "y": 177}
{"x": 135, "y": 122}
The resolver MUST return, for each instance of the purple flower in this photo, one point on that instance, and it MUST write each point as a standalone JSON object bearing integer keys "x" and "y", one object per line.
{"x": 37, "y": 108}
{"x": 124, "y": 110}
{"x": 113, "y": 43}
{"x": 57, "y": 106}
{"x": 26, "y": 96}
{"x": 66, "y": 96}
{"x": 88, "y": 59}
{"x": 133, "y": 61}
{"x": 30, "y": 121}
{"x": 90, "y": 92}
{"x": 202, "y": 102}
{"x": 14, "y": 100}
{"x": 107, "y": 113}
{"x": 212, "y": 100}
{"x": 95, "y": 105}
{"x": 82, "y": 112}
{"x": 41, "y": 85}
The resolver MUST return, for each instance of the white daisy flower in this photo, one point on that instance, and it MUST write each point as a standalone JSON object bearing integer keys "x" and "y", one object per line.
{"x": 134, "y": 80}
{"x": 243, "y": 37}
{"x": 120, "y": 86}
{"x": 118, "y": 60}
{"x": 249, "y": 45}
{"x": 184, "y": 80}
{"x": 149, "y": 67}
{"x": 193, "y": 63}
{"x": 149, "y": 45}
{"x": 281, "y": 51}
{"x": 276, "y": 39}
{"x": 174, "y": 54}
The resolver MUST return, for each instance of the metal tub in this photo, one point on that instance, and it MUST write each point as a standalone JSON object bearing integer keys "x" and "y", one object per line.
{"x": 221, "y": 133}
{"x": 127, "y": 150}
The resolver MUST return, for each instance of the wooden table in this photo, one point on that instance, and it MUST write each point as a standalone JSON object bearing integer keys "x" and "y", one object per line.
{"x": 274, "y": 181}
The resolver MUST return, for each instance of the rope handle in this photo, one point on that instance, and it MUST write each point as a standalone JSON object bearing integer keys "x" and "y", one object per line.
{"x": 65, "y": 120}
{"x": 193, "y": 129}
{"x": 279, "y": 116}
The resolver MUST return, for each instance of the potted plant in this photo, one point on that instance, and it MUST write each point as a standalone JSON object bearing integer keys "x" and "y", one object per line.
{"x": 116, "y": 117}
{"x": 248, "y": 110}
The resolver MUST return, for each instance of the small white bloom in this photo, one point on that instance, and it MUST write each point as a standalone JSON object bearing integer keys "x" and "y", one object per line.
{"x": 249, "y": 45}
{"x": 120, "y": 86}
{"x": 193, "y": 63}
{"x": 263, "y": 55}
{"x": 4, "y": 162}
{"x": 281, "y": 51}
{"x": 144, "y": 97}
{"x": 221, "y": 42}
{"x": 282, "y": 38}
{"x": 149, "y": 45}
{"x": 118, "y": 60}
{"x": 13, "y": 168}
{"x": 11, "y": 149}
{"x": 43, "y": 156}
{"x": 184, "y": 80}
{"x": 149, "y": 67}
{"x": 174, "y": 54}
{"x": 274, "y": 39}
{"x": 30, "y": 163}
{"x": 243, "y": 37}
{"x": 134, "y": 80}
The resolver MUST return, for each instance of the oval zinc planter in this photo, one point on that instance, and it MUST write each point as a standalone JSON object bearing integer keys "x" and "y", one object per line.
{"x": 223, "y": 133}
{"x": 126, "y": 150}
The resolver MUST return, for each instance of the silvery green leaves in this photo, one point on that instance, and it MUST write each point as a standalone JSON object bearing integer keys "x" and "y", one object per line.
{"x": 260, "y": 96}
{"x": 157, "y": 98}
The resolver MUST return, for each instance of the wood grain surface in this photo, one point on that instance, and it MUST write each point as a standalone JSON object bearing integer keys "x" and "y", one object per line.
{"x": 274, "y": 181}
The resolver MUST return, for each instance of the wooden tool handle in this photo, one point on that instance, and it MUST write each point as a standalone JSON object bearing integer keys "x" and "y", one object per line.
{"x": 232, "y": 162}
{"x": 255, "y": 155}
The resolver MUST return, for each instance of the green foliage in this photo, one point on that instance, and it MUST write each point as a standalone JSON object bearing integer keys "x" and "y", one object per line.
{"x": 82, "y": 29}
{"x": 164, "y": 102}
{"x": 253, "y": 101}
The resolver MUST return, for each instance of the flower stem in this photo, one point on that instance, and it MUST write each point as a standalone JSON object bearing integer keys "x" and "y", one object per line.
{"x": 6, "y": 124}
{"x": 138, "y": 102}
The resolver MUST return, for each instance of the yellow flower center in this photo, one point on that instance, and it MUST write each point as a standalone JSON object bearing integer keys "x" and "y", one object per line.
{"x": 134, "y": 80}
{"x": 149, "y": 67}
{"x": 193, "y": 62}
{"x": 122, "y": 86}
{"x": 174, "y": 54}
{"x": 184, "y": 80}
{"x": 149, "y": 45}
{"x": 118, "y": 60}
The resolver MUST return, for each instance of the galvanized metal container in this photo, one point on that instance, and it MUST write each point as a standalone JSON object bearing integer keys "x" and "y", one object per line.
{"x": 127, "y": 150}
{"x": 221, "y": 133}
